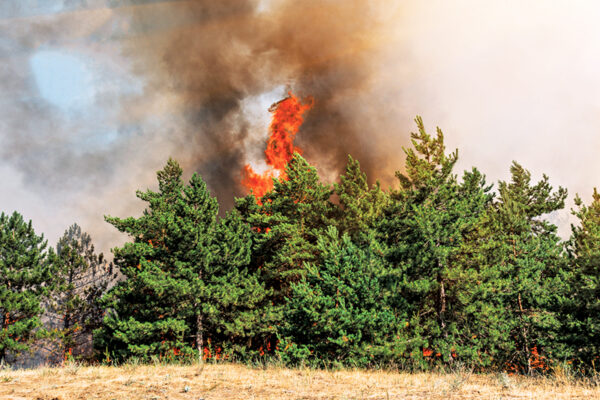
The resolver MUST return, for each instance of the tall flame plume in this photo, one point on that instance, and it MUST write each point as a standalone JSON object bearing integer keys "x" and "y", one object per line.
{"x": 287, "y": 119}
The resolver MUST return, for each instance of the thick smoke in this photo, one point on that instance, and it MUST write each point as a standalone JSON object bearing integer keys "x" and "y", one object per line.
{"x": 68, "y": 151}
{"x": 178, "y": 78}
{"x": 212, "y": 56}
{"x": 193, "y": 80}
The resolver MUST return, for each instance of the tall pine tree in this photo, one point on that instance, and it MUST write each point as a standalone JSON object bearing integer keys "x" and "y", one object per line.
{"x": 287, "y": 225}
{"x": 185, "y": 272}
{"x": 27, "y": 277}
{"x": 581, "y": 315}
{"x": 339, "y": 313}
{"x": 524, "y": 266}
{"x": 425, "y": 228}
{"x": 83, "y": 277}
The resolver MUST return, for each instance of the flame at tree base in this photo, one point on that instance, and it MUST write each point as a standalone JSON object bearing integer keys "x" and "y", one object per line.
{"x": 287, "y": 119}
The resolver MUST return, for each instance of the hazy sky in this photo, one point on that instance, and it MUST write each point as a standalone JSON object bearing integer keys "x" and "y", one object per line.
{"x": 86, "y": 119}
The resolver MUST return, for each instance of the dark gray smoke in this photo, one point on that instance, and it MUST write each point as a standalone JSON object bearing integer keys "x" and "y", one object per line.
{"x": 97, "y": 94}
{"x": 212, "y": 56}
{"x": 180, "y": 79}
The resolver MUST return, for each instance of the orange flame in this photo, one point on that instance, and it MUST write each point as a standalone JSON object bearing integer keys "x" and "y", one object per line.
{"x": 286, "y": 120}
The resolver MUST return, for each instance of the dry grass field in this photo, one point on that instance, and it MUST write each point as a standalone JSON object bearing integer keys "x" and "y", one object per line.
{"x": 230, "y": 381}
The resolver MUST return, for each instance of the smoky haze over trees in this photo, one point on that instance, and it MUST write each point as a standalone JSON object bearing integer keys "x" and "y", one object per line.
{"x": 182, "y": 74}
{"x": 145, "y": 80}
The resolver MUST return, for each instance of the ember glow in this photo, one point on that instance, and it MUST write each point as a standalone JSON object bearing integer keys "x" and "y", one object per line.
{"x": 287, "y": 119}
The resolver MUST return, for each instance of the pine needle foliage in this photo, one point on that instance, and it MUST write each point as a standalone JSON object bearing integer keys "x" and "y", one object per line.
{"x": 185, "y": 278}
{"x": 582, "y": 311}
{"x": 339, "y": 314}
{"x": 524, "y": 264}
{"x": 426, "y": 228}
{"x": 83, "y": 277}
{"x": 439, "y": 272}
{"x": 27, "y": 278}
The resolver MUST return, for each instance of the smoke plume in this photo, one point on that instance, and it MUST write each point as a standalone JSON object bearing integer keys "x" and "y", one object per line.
{"x": 97, "y": 94}
{"x": 213, "y": 56}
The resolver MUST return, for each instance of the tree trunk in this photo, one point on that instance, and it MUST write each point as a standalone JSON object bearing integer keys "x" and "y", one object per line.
{"x": 524, "y": 333}
{"x": 199, "y": 335}
{"x": 5, "y": 320}
{"x": 442, "y": 299}
{"x": 441, "y": 312}
{"x": 68, "y": 340}
{"x": 4, "y": 323}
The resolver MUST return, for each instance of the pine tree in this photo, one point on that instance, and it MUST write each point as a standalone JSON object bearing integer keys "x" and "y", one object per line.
{"x": 286, "y": 228}
{"x": 84, "y": 277}
{"x": 524, "y": 266}
{"x": 338, "y": 314}
{"x": 288, "y": 224}
{"x": 27, "y": 274}
{"x": 359, "y": 206}
{"x": 581, "y": 316}
{"x": 185, "y": 275}
{"x": 425, "y": 228}
{"x": 235, "y": 302}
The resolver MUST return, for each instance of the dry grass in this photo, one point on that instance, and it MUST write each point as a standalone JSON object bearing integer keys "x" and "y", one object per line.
{"x": 230, "y": 381}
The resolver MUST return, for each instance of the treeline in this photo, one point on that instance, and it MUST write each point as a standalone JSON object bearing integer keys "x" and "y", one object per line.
{"x": 439, "y": 271}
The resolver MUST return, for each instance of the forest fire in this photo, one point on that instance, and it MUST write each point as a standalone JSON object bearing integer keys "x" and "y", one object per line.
{"x": 287, "y": 119}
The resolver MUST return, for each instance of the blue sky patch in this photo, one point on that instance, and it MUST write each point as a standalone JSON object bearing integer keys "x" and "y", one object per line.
{"x": 62, "y": 79}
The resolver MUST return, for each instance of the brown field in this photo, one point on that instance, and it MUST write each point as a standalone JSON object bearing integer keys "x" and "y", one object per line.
{"x": 231, "y": 381}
